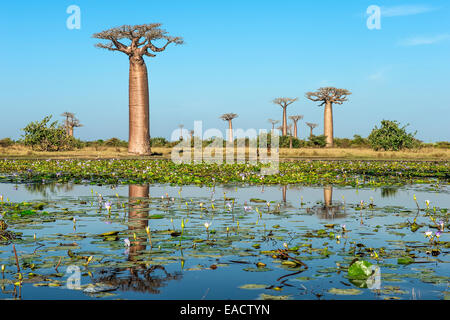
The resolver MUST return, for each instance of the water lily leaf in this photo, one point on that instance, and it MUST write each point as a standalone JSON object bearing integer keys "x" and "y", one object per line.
{"x": 346, "y": 292}
{"x": 253, "y": 286}
{"x": 360, "y": 270}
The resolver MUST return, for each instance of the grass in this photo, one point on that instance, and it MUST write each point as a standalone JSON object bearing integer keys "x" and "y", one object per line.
{"x": 428, "y": 153}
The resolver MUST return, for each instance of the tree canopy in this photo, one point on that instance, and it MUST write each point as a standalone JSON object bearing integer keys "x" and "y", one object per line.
{"x": 329, "y": 95}
{"x": 140, "y": 38}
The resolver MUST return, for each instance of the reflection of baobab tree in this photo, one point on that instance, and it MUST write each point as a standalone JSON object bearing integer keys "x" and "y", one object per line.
{"x": 328, "y": 210}
{"x": 140, "y": 278}
{"x": 283, "y": 193}
{"x": 44, "y": 189}
{"x": 388, "y": 192}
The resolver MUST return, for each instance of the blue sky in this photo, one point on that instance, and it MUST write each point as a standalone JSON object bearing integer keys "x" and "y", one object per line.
{"x": 238, "y": 56}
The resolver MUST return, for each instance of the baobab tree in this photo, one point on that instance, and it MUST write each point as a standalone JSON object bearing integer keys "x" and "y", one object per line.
{"x": 284, "y": 103}
{"x": 229, "y": 117}
{"x": 295, "y": 119}
{"x": 139, "y": 43}
{"x": 327, "y": 96}
{"x": 191, "y": 134}
{"x": 273, "y": 122}
{"x": 311, "y": 126}
{"x": 70, "y": 122}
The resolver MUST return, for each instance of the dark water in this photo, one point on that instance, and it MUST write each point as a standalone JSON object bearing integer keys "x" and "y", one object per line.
{"x": 222, "y": 264}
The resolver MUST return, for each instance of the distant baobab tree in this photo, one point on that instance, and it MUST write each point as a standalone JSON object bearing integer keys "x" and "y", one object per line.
{"x": 284, "y": 103}
{"x": 139, "y": 38}
{"x": 273, "y": 122}
{"x": 311, "y": 126}
{"x": 70, "y": 122}
{"x": 295, "y": 120}
{"x": 229, "y": 117}
{"x": 191, "y": 134}
{"x": 327, "y": 96}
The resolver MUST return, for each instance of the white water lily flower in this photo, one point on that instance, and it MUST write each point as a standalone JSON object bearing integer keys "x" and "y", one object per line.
{"x": 127, "y": 242}
{"x": 207, "y": 225}
{"x": 428, "y": 234}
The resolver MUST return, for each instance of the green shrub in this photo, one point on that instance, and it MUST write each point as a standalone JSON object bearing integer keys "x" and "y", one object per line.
{"x": 42, "y": 136}
{"x": 391, "y": 137}
{"x": 115, "y": 142}
{"x": 443, "y": 145}
{"x": 318, "y": 141}
{"x": 6, "y": 142}
{"x": 158, "y": 142}
{"x": 359, "y": 141}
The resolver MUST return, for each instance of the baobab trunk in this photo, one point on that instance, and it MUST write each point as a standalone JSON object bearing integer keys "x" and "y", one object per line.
{"x": 71, "y": 131}
{"x": 284, "y": 122}
{"x": 328, "y": 124}
{"x": 295, "y": 131}
{"x": 139, "y": 132}
{"x": 230, "y": 131}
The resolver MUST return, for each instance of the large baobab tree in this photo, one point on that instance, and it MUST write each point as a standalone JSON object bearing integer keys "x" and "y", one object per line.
{"x": 70, "y": 122}
{"x": 295, "y": 119}
{"x": 284, "y": 103}
{"x": 327, "y": 96}
{"x": 139, "y": 43}
{"x": 273, "y": 122}
{"x": 311, "y": 126}
{"x": 229, "y": 117}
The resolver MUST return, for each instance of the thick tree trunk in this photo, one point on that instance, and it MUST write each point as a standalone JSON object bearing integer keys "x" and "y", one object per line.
{"x": 328, "y": 124}
{"x": 71, "y": 131}
{"x": 295, "y": 130}
{"x": 230, "y": 131}
{"x": 311, "y": 134}
{"x": 284, "y": 122}
{"x": 139, "y": 131}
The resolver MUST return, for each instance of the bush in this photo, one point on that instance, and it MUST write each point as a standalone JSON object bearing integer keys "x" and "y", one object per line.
{"x": 158, "y": 142}
{"x": 443, "y": 145}
{"x": 6, "y": 142}
{"x": 115, "y": 142}
{"x": 43, "y": 136}
{"x": 318, "y": 141}
{"x": 359, "y": 141}
{"x": 391, "y": 137}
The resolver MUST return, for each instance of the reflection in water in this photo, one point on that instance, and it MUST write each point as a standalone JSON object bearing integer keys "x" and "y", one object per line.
{"x": 389, "y": 192}
{"x": 44, "y": 189}
{"x": 139, "y": 278}
{"x": 329, "y": 210}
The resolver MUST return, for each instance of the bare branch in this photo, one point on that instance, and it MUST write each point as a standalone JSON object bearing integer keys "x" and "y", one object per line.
{"x": 134, "y": 34}
{"x": 228, "y": 116}
{"x": 284, "y": 102}
{"x": 328, "y": 95}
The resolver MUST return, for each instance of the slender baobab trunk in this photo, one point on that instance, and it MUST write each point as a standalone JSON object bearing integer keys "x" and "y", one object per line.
{"x": 328, "y": 195}
{"x": 311, "y": 134}
{"x": 284, "y": 122}
{"x": 328, "y": 123}
{"x": 230, "y": 131}
{"x": 139, "y": 132}
{"x": 295, "y": 130}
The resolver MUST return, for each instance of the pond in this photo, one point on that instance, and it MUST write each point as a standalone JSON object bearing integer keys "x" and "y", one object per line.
{"x": 159, "y": 241}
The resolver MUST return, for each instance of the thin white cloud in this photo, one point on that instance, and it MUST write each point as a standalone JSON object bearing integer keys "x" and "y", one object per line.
{"x": 418, "y": 41}
{"x": 379, "y": 75}
{"x": 405, "y": 10}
